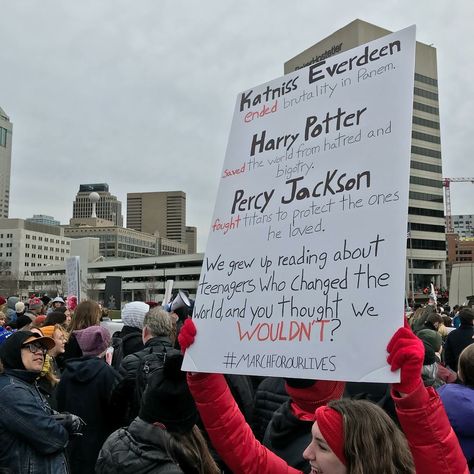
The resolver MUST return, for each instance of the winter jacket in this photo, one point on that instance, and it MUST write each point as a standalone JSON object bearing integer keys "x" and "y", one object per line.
{"x": 31, "y": 441}
{"x": 132, "y": 340}
{"x": 11, "y": 313}
{"x": 458, "y": 401}
{"x": 288, "y": 436}
{"x": 138, "y": 449}
{"x": 84, "y": 390}
{"x": 456, "y": 341}
{"x": 421, "y": 415}
{"x": 124, "y": 396}
{"x": 269, "y": 396}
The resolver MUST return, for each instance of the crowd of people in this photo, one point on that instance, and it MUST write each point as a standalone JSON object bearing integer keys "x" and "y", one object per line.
{"x": 77, "y": 399}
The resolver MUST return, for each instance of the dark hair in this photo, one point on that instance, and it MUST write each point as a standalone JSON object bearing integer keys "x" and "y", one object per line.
{"x": 447, "y": 320}
{"x": 190, "y": 451}
{"x": 466, "y": 315}
{"x": 466, "y": 366}
{"x": 434, "y": 318}
{"x": 86, "y": 314}
{"x": 372, "y": 442}
{"x": 55, "y": 317}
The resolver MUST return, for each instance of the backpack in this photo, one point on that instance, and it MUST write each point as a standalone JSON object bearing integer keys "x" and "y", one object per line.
{"x": 117, "y": 345}
{"x": 150, "y": 364}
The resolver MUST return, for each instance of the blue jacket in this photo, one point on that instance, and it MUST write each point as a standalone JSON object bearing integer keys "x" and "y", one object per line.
{"x": 31, "y": 441}
{"x": 458, "y": 401}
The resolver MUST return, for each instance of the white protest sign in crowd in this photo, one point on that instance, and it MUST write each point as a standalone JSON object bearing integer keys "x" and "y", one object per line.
{"x": 304, "y": 272}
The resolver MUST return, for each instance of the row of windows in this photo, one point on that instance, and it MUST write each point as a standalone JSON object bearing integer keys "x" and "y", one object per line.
{"x": 425, "y": 108}
{"x": 46, "y": 239}
{"x": 425, "y": 197}
{"x": 425, "y": 123}
{"x": 427, "y": 244}
{"x": 418, "y": 211}
{"x": 433, "y": 183}
{"x": 418, "y": 150}
{"x": 33, "y": 255}
{"x": 417, "y": 165}
{"x": 426, "y": 79}
{"x": 425, "y": 137}
{"x": 8, "y": 236}
{"x": 7, "y": 254}
{"x": 427, "y": 227}
{"x": 426, "y": 94}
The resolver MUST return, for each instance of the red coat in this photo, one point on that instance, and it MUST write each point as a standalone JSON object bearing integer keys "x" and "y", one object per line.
{"x": 432, "y": 441}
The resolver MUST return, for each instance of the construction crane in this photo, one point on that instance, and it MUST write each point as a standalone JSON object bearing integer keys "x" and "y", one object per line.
{"x": 447, "y": 199}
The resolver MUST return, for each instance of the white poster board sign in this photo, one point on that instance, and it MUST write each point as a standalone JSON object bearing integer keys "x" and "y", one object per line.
{"x": 73, "y": 272}
{"x": 304, "y": 272}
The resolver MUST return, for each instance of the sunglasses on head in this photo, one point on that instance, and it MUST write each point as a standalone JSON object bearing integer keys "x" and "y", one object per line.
{"x": 35, "y": 347}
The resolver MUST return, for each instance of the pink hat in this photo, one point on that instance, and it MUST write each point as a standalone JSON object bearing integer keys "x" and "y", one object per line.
{"x": 93, "y": 340}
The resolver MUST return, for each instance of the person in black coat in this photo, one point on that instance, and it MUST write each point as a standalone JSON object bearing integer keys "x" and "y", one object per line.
{"x": 84, "y": 389}
{"x": 459, "y": 339}
{"x": 158, "y": 333}
{"x": 269, "y": 396}
{"x": 133, "y": 315}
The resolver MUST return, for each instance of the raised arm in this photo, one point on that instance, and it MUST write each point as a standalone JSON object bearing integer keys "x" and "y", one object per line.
{"x": 420, "y": 411}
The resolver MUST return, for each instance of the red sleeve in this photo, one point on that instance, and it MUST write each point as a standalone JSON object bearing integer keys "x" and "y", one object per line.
{"x": 429, "y": 433}
{"x": 230, "y": 435}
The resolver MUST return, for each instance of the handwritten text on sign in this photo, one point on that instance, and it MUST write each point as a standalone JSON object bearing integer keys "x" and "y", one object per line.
{"x": 304, "y": 270}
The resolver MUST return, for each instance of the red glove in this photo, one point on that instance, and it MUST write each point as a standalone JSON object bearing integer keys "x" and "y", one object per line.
{"x": 187, "y": 334}
{"x": 406, "y": 352}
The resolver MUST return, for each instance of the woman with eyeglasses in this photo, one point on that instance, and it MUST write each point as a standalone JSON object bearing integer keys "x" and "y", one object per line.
{"x": 32, "y": 436}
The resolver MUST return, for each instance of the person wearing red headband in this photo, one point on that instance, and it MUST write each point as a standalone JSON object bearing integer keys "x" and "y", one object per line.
{"x": 348, "y": 436}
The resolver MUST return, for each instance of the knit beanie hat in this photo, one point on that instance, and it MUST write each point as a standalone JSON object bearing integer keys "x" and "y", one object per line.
{"x": 22, "y": 321}
{"x": 430, "y": 337}
{"x": 167, "y": 399}
{"x": 10, "y": 350}
{"x": 19, "y": 307}
{"x": 307, "y": 395}
{"x": 93, "y": 340}
{"x": 48, "y": 330}
{"x": 35, "y": 303}
{"x": 331, "y": 426}
{"x": 133, "y": 314}
{"x": 39, "y": 320}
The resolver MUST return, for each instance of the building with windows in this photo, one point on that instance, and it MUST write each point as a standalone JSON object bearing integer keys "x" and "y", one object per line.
{"x": 142, "y": 278}
{"x": 108, "y": 207}
{"x": 42, "y": 219}
{"x": 5, "y": 162}
{"x": 26, "y": 246}
{"x": 426, "y": 247}
{"x": 162, "y": 212}
{"x": 463, "y": 225}
{"x": 191, "y": 239}
{"x": 119, "y": 242}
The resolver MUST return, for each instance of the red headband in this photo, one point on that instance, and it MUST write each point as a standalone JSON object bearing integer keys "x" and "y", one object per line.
{"x": 330, "y": 425}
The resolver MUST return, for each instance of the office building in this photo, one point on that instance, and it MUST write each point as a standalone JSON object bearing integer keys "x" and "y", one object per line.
{"x": 108, "y": 207}
{"x": 119, "y": 242}
{"x": 463, "y": 225}
{"x": 42, "y": 219}
{"x": 426, "y": 249}
{"x": 162, "y": 212}
{"x": 5, "y": 162}
{"x": 25, "y": 246}
{"x": 191, "y": 239}
{"x": 142, "y": 278}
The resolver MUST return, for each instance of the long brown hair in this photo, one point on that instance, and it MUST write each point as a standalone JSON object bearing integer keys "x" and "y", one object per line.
{"x": 86, "y": 314}
{"x": 372, "y": 442}
{"x": 190, "y": 451}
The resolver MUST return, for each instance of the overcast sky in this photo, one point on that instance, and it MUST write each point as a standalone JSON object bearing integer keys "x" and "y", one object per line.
{"x": 140, "y": 93}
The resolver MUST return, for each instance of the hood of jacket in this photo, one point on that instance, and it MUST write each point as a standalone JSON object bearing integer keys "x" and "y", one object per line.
{"x": 84, "y": 369}
{"x": 12, "y": 301}
{"x": 459, "y": 403}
